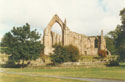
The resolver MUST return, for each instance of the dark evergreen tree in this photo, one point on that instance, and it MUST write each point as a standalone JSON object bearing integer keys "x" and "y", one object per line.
{"x": 22, "y": 44}
{"x": 118, "y": 37}
{"x": 120, "y": 41}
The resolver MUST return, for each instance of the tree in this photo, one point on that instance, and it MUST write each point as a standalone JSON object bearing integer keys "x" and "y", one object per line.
{"x": 110, "y": 44}
{"x": 114, "y": 34}
{"x": 22, "y": 44}
{"x": 65, "y": 54}
{"x": 112, "y": 40}
{"x": 118, "y": 36}
{"x": 120, "y": 41}
{"x": 58, "y": 56}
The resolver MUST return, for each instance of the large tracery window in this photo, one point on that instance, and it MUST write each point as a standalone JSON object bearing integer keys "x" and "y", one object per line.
{"x": 57, "y": 31}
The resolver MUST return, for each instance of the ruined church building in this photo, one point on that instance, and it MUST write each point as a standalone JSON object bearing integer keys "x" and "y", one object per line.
{"x": 87, "y": 45}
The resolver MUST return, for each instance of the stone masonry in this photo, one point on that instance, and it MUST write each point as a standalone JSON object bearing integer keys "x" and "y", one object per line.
{"x": 87, "y": 45}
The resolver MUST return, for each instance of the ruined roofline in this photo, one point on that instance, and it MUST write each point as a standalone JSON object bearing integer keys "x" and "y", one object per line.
{"x": 56, "y": 19}
{"x": 85, "y": 44}
{"x": 59, "y": 19}
{"x": 61, "y": 23}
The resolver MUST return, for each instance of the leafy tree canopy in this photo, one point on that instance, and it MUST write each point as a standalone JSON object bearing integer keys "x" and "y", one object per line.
{"x": 22, "y": 44}
{"x": 120, "y": 41}
{"x": 118, "y": 37}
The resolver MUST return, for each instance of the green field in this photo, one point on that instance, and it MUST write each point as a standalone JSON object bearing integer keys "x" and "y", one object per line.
{"x": 93, "y": 71}
{"x": 78, "y": 71}
{"x": 20, "y": 78}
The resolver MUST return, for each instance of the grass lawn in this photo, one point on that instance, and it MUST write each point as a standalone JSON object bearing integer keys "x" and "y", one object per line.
{"x": 20, "y": 78}
{"x": 78, "y": 71}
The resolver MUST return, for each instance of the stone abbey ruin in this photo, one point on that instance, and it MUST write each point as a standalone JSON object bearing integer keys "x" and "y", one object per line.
{"x": 87, "y": 45}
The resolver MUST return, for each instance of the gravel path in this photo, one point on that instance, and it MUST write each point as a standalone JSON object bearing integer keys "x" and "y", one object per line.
{"x": 64, "y": 77}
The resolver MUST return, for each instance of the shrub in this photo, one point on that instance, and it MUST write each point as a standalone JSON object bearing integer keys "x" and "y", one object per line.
{"x": 113, "y": 63}
{"x": 102, "y": 53}
{"x": 64, "y": 54}
{"x": 73, "y": 53}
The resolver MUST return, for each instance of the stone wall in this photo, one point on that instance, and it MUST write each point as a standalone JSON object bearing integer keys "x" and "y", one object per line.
{"x": 85, "y": 44}
{"x": 56, "y": 38}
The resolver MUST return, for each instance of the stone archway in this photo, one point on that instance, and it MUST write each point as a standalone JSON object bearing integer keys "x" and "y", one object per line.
{"x": 47, "y": 38}
{"x": 81, "y": 41}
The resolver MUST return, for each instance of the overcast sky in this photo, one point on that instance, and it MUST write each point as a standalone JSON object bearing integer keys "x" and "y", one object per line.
{"x": 83, "y": 16}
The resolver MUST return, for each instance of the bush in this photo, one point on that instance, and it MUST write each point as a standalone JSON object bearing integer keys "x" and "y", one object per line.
{"x": 113, "y": 63}
{"x": 73, "y": 53}
{"x": 65, "y": 54}
{"x": 102, "y": 53}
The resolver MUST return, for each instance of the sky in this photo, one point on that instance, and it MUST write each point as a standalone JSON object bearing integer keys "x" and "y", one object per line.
{"x": 87, "y": 17}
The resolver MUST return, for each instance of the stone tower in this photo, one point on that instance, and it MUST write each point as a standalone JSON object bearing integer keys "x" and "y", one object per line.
{"x": 102, "y": 42}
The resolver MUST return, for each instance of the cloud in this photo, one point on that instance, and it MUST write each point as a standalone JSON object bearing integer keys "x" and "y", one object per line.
{"x": 83, "y": 16}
